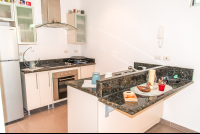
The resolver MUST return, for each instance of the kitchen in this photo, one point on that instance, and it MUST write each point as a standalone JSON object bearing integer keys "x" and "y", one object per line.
{"x": 120, "y": 33}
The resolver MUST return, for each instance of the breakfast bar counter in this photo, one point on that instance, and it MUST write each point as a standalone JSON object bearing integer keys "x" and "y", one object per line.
{"x": 103, "y": 109}
{"x": 117, "y": 100}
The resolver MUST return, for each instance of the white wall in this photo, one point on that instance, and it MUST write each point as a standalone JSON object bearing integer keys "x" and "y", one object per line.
{"x": 121, "y": 32}
{"x": 52, "y": 42}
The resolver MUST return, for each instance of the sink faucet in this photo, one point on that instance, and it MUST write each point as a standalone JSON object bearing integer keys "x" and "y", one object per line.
{"x": 143, "y": 68}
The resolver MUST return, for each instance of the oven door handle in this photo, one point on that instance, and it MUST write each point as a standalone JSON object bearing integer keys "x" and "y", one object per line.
{"x": 66, "y": 79}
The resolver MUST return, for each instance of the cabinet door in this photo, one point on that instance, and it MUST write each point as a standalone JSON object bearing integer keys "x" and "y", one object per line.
{"x": 32, "y": 91}
{"x": 25, "y": 25}
{"x": 6, "y": 11}
{"x": 45, "y": 80}
{"x": 81, "y": 26}
{"x": 87, "y": 71}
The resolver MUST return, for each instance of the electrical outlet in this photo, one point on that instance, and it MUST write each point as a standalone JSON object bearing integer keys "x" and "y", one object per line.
{"x": 65, "y": 51}
{"x": 166, "y": 58}
{"x": 75, "y": 51}
{"x": 157, "y": 57}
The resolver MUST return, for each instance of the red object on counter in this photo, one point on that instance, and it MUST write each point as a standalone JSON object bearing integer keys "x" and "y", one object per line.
{"x": 161, "y": 87}
{"x": 28, "y": 3}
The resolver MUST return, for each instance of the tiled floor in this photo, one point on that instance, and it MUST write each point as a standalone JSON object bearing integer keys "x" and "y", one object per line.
{"x": 55, "y": 121}
{"x": 162, "y": 128}
{"x": 42, "y": 121}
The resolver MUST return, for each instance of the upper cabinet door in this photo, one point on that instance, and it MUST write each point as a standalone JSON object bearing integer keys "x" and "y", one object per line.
{"x": 81, "y": 26}
{"x": 80, "y": 22}
{"x": 6, "y": 11}
{"x": 25, "y": 25}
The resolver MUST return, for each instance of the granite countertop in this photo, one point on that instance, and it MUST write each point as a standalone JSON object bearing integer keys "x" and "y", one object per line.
{"x": 116, "y": 100}
{"x": 114, "y": 87}
{"x": 55, "y": 68}
{"x": 78, "y": 85}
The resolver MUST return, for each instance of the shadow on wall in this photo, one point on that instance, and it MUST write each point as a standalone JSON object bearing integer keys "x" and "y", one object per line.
{"x": 119, "y": 56}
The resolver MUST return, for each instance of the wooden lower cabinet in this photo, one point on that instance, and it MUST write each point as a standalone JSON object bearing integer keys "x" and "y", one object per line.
{"x": 45, "y": 84}
{"x": 31, "y": 92}
{"x": 87, "y": 71}
{"x": 36, "y": 88}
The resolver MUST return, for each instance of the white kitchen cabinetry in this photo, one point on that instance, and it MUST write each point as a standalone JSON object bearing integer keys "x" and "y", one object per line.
{"x": 87, "y": 71}
{"x": 36, "y": 89}
{"x": 25, "y": 25}
{"x": 80, "y": 22}
{"x": 6, "y": 11}
{"x": 31, "y": 91}
{"x": 45, "y": 79}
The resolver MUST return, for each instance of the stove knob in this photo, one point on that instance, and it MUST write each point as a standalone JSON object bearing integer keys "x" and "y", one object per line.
{"x": 61, "y": 74}
{"x": 70, "y": 73}
{"x": 66, "y": 74}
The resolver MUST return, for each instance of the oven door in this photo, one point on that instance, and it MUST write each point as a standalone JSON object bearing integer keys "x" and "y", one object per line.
{"x": 60, "y": 88}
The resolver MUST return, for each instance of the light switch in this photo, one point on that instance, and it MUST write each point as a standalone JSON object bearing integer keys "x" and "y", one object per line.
{"x": 158, "y": 57}
{"x": 75, "y": 51}
{"x": 65, "y": 51}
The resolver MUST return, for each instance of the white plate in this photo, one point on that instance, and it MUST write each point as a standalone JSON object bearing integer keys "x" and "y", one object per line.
{"x": 154, "y": 92}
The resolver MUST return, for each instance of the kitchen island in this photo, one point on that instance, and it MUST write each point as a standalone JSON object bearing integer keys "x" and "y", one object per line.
{"x": 104, "y": 110}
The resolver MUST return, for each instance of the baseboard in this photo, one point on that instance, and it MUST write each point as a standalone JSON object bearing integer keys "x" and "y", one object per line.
{"x": 178, "y": 127}
{"x": 150, "y": 126}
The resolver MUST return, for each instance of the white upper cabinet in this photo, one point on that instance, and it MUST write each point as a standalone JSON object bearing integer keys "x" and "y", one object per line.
{"x": 25, "y": 25}
{"x": 6, "y": 11}
{"x": 80, "y": 22}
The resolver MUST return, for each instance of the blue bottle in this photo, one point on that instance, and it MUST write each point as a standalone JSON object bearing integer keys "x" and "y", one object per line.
{"x": 95, "y": 77}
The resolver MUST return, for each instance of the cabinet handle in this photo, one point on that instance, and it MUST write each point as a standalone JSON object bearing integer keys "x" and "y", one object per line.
{"x": 49, "y": 79}
{"x": 36, "y": 81}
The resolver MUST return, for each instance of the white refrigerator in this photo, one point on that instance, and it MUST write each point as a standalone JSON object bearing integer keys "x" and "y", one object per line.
{"x": 10, "y": 79}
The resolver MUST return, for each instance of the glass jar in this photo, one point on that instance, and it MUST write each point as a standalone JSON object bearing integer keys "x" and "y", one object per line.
{"x": 95, "y": 77}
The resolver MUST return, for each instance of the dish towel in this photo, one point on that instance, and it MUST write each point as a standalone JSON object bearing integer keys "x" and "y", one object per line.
{"x": 88, "y": 84}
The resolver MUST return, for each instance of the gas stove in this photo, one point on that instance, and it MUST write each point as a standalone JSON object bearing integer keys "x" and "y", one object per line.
{"x": 62, "y": 64}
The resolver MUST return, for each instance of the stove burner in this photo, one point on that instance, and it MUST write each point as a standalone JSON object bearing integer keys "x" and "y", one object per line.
{"x": 64, "y": 64}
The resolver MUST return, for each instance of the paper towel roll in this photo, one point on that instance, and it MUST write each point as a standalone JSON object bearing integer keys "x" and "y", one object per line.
{"x": 152, "y": 75}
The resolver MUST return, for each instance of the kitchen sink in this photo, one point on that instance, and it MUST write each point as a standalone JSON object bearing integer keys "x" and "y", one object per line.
{"x": 37, "y": 68}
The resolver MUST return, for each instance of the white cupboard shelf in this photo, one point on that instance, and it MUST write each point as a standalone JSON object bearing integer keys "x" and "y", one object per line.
{"x": 6, "y": 11}
{"x": 25, "y": 25}
{"x": 80, "y": 22}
